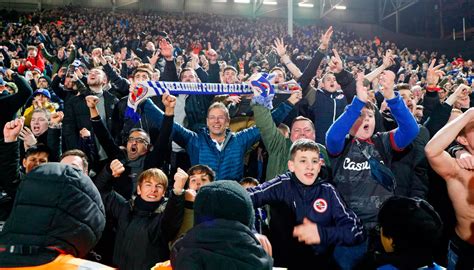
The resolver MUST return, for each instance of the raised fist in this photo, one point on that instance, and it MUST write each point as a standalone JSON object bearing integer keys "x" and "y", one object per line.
{"x": 117, "y": 168}
{"x": 92, "y": 101}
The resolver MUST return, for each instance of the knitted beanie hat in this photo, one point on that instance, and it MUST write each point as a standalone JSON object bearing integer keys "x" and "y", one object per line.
{"x": 224, "y": 199}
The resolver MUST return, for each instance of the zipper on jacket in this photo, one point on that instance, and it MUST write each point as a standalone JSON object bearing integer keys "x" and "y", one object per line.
{"x": 334, "y": 111}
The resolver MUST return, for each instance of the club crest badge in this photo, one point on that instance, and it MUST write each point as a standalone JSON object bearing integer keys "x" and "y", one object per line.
{"x": 138, "y": 93}
{"x": 320, "y": 205}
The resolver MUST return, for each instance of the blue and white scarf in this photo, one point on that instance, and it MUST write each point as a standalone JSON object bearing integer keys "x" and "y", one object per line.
{"x": 260, "y": 86}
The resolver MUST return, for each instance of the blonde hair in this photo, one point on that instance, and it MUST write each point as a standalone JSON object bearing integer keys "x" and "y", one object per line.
{"x": 155, "y": 173}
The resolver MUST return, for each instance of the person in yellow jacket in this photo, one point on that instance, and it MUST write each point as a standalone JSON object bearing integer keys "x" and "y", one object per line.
{"x": 41, "y": 99}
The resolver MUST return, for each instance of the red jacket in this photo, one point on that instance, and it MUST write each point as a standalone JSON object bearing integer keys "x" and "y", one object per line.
{"x": 36, "y": 62}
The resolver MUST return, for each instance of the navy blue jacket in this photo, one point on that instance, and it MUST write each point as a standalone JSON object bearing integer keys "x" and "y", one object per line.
{"x": 227, "y": 163}
{"x": 325, "y": 110}
{"x": 319, "y": 202}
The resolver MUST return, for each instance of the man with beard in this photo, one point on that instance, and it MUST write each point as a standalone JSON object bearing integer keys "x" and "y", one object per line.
{"x": 77, "y": 114}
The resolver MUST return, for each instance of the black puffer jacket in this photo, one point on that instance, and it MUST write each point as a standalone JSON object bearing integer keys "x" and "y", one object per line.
{"x": 58, "y": 206}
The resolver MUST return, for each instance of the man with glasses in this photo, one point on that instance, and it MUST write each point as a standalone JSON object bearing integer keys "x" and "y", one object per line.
{"x": 138, "y": 154}
{"x": 215, "y": 146}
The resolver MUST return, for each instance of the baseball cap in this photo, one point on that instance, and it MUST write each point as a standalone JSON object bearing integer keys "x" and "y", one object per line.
{"x": 43, "y": 92}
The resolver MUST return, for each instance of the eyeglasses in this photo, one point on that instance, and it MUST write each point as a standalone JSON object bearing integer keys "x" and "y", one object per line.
{"x": 218, "y": 118}
{"x": 138, "y": 140}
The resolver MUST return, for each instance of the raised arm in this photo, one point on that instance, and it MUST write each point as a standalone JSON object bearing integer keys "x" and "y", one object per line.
{"x": 440, "y": 160}
{"x": 313, "y": 65}
{"x": 102, "y": 133}
{"x": 431, "y": 99}
{"x": 407, "y": 127}
{"x": 336, "y": 134}
{"x": 10, "y": 155}
{"x": 272, "y": 138}
{"x": 174, "y": 212}
{"x": 55, "y": 136}
{"x": 17, "y": 100}
{"x": 280, "y": 48}
{"x": 114, "y": 203}
{"x": 180, "y": 134}
{"x": 169, "y": 74}
{"x": 440, "y": 115}
{"x": 162, "y": 146}
{"x": 387, "y": 62}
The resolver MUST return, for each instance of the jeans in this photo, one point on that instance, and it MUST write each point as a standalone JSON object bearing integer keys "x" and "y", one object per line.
{"x": 348, "y": 257}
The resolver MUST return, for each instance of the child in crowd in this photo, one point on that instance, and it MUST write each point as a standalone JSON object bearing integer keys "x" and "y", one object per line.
{"x": 409, "y": 230}
{"x": 261, "y": 223}
{"x": 321, "y": 218}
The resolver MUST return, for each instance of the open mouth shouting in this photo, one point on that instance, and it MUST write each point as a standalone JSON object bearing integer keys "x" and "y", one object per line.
{"x": 133, "y": 149}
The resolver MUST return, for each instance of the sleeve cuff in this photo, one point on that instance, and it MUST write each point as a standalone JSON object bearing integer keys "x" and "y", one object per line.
{"x": 394, "y": 100}
{"x": 357, "y": 103}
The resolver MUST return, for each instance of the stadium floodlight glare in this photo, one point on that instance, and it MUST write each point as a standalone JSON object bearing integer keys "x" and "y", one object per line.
{"x": 219, "y": 1}
{"x": 270, "y": 2}
{"x": 304, "y": 4}
{"x": 242, "y": 1}
{"x": 340, "y": 7}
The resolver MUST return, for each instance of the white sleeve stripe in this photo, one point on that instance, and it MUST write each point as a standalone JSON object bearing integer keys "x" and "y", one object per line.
{"x": 354, "y": 219}
{"x": 270, "y": 186}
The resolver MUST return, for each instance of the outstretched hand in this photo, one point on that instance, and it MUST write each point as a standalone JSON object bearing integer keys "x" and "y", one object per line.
{"x": 325, "y": 38}
{"x": 280, "y": 47}
{"x": 362, "y": 94}
{"x": 434, "y": 73}
{"x": 166, "y": 49}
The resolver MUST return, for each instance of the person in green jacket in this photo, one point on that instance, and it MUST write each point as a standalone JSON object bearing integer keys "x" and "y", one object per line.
{"x": 61, "y": 59}
{"x": 277, "y": 145}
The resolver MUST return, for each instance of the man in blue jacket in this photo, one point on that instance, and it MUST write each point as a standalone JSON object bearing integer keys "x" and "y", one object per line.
{"x": 321, "y": 218}
{"x": 216, "y": 146}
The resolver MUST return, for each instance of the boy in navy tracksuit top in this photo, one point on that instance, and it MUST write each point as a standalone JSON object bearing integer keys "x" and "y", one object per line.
{"x": 321, "y": 218}
{"x": 354, "y": 175}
